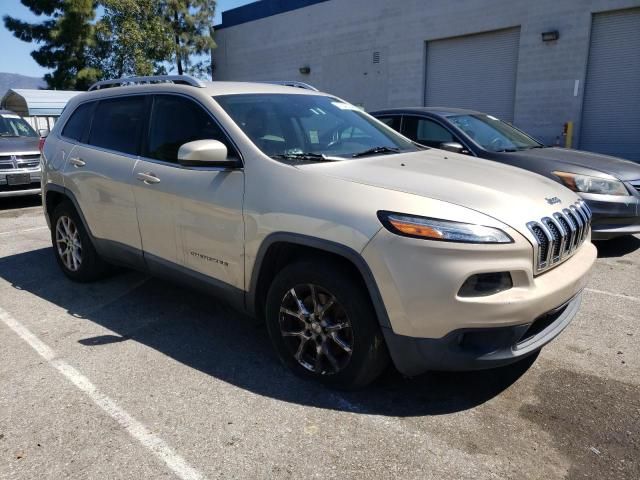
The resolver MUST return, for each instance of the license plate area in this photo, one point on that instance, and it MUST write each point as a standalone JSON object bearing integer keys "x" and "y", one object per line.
{"x": 18, "y": 179}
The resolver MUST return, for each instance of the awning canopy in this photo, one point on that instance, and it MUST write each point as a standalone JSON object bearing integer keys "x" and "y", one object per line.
{"x": 36, "y": 103}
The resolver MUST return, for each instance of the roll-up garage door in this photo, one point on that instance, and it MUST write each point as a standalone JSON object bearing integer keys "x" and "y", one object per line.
{"x": 611, "y": 109}
{"x": 475, "y": 71}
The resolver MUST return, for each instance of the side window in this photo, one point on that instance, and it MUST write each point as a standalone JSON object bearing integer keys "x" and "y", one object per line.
{"x": 78, "y": 122}
{"x": 177, "y": 120}
{"x": 393, "y": 122}
{"x": 426, "y": 132}
{"x": 117, "y": 124}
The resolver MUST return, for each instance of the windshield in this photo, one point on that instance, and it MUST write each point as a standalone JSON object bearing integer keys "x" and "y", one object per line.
{"x": 13, "y": 126}
{"x": 310, "y": 127}
{"x": 493, "y": 134}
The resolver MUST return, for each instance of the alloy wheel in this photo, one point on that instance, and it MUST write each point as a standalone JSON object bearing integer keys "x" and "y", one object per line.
{"x": 68, "y": 243}
{"x": 316, "y": 329}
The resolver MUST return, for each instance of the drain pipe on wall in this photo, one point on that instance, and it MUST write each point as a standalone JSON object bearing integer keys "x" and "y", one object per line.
{"x": 567, "y": 133}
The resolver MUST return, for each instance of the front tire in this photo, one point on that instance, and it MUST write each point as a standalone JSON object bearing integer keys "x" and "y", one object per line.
{"x": 323, "y": 326}
{"x": 72, "y": 246}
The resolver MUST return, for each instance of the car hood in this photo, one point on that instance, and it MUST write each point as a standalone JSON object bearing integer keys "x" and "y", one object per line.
{"x": 508, "y": 194}
{"x": 560, "y": 158}
{"x": 19, "y": 145}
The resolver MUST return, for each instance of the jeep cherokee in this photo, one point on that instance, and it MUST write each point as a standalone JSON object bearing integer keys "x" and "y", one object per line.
{"x": 354, "y": 244}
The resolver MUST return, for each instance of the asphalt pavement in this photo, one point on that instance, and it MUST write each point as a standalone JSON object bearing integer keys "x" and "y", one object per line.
{"x": 135, "y": 377}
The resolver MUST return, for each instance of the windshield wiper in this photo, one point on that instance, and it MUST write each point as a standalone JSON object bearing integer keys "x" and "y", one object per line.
{"x": 314, "y": 157}
{"x": 507, "y": 150}
{"x": 7, "y": 135}
{"x": 376, "y": 150}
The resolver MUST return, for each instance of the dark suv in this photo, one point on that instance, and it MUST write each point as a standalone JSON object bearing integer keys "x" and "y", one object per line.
{"x": 19, "y": 157}
{"x": 609, "y": 185}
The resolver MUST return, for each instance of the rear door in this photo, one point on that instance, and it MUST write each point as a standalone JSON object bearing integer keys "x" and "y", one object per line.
{"x": 189, "y": 216}
{"x": 99, "y": 168}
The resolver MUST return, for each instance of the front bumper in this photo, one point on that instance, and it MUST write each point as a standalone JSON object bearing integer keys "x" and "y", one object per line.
{"x": 613, "y": 216}
{"x": 482, "y": 348}
{"x": 419, "y": 281}
{"x": 31, "y": 188}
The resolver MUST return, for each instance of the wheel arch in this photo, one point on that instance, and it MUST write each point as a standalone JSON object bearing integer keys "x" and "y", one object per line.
{"x": 282, "y": 248}
{"x": 54, "y": 195}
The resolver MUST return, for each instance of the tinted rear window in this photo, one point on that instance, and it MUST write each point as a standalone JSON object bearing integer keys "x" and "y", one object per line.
{"x": 393, "y": 122}
{"x": 78, "y": 121}
{"x": 117, "y": 124}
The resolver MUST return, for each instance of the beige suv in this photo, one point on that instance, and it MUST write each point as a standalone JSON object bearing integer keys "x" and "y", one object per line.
{"x": 354, "y": 244}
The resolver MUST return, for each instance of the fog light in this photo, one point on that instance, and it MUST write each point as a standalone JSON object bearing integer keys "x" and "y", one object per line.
{"x": 484, "y": 284}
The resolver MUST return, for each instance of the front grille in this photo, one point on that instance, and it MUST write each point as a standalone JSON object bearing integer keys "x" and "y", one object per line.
{"x": 16, "y": 161}
{"x": 636, "y": 185}
{"x": 557, "y": 237}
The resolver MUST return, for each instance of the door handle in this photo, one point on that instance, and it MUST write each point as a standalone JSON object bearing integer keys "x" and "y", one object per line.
{"x": 148, "y": 178}
{"x": 77, "y": 162}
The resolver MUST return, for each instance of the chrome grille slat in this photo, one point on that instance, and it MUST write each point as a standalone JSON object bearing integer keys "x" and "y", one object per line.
{"x": 574, "y": 225}
{"x": 21, "y": 160}
{"x": 578, "y": 218}
{"x": 568, "y": 232}
{"x": 585, "y": 219}
{"x": 557, "y": 245}
{"x": 558, "y": 236}
{"x": 550, "y": 244}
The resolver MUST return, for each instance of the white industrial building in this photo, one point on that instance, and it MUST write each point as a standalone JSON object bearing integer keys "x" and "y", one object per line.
{"x": 538, "y": 64}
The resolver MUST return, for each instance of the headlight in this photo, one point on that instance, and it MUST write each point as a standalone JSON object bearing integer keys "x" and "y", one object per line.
{"x": 587, "y": 184}
{"x": 443, "y": 230}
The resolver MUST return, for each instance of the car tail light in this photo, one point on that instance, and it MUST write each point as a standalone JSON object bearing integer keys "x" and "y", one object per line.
{"x": 41, "y": 143}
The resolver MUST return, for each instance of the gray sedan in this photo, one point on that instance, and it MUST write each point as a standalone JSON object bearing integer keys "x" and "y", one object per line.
{"x": 19, "y": 157}
{"x": 609, "y": 185}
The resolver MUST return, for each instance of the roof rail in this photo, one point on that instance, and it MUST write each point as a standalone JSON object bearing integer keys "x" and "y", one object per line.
{"x": 293, "y": 83}
{"x": 179, "y": 79}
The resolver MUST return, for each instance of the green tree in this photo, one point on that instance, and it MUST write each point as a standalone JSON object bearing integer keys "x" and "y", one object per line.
{"x": 132, "y": 38}
{"x": 191, "y": 22}
{"x": 66, "y": 37}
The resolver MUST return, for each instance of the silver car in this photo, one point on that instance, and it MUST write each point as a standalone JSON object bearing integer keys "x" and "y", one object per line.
{"x": 19, "y": 157}
{"x": 352, "y": 243}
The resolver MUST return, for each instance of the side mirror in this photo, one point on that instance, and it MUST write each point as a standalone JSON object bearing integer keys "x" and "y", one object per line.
{"x": 205, "y": 153}
{"x": 43, "y": 132}
{"x": 454, "y": 147}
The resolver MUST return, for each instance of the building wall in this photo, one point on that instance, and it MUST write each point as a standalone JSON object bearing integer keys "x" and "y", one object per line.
{"x": 337, "y": 38}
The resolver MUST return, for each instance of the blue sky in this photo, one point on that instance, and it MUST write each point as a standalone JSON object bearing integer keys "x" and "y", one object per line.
{"x": 15, "y": 54}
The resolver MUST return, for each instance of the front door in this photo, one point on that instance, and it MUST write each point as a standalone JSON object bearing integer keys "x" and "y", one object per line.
{"x": 190, "y": 217}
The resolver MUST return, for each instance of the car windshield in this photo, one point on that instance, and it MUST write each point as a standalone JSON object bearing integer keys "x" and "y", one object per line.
{"x": 13, "y": 126}
{"x": 296, "y": 127}
{"x": 493, "y": 134}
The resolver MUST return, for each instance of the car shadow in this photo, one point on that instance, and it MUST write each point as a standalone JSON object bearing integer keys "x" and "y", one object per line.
{"x": 13, "y": 203}
{"x": 205, "y": 334}
{"x": 617, "y": 247}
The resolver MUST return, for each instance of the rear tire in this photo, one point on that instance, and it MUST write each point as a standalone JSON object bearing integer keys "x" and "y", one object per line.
{"x": 323, "y": 326}
{"x": 72, "y": 246}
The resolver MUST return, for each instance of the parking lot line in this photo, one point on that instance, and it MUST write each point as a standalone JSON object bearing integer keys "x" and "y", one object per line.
{"x": 136, "y": 429}
{"x": 14, "y": 232}
{"x": 611, "y": 294}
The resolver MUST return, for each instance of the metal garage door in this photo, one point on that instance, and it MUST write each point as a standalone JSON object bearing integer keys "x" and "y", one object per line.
{"x": 474, "y": 71}
{"x": 611, "y": 109}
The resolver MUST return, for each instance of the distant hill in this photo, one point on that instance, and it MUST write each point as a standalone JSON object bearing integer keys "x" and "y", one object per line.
{"x": 13, "y": 80}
